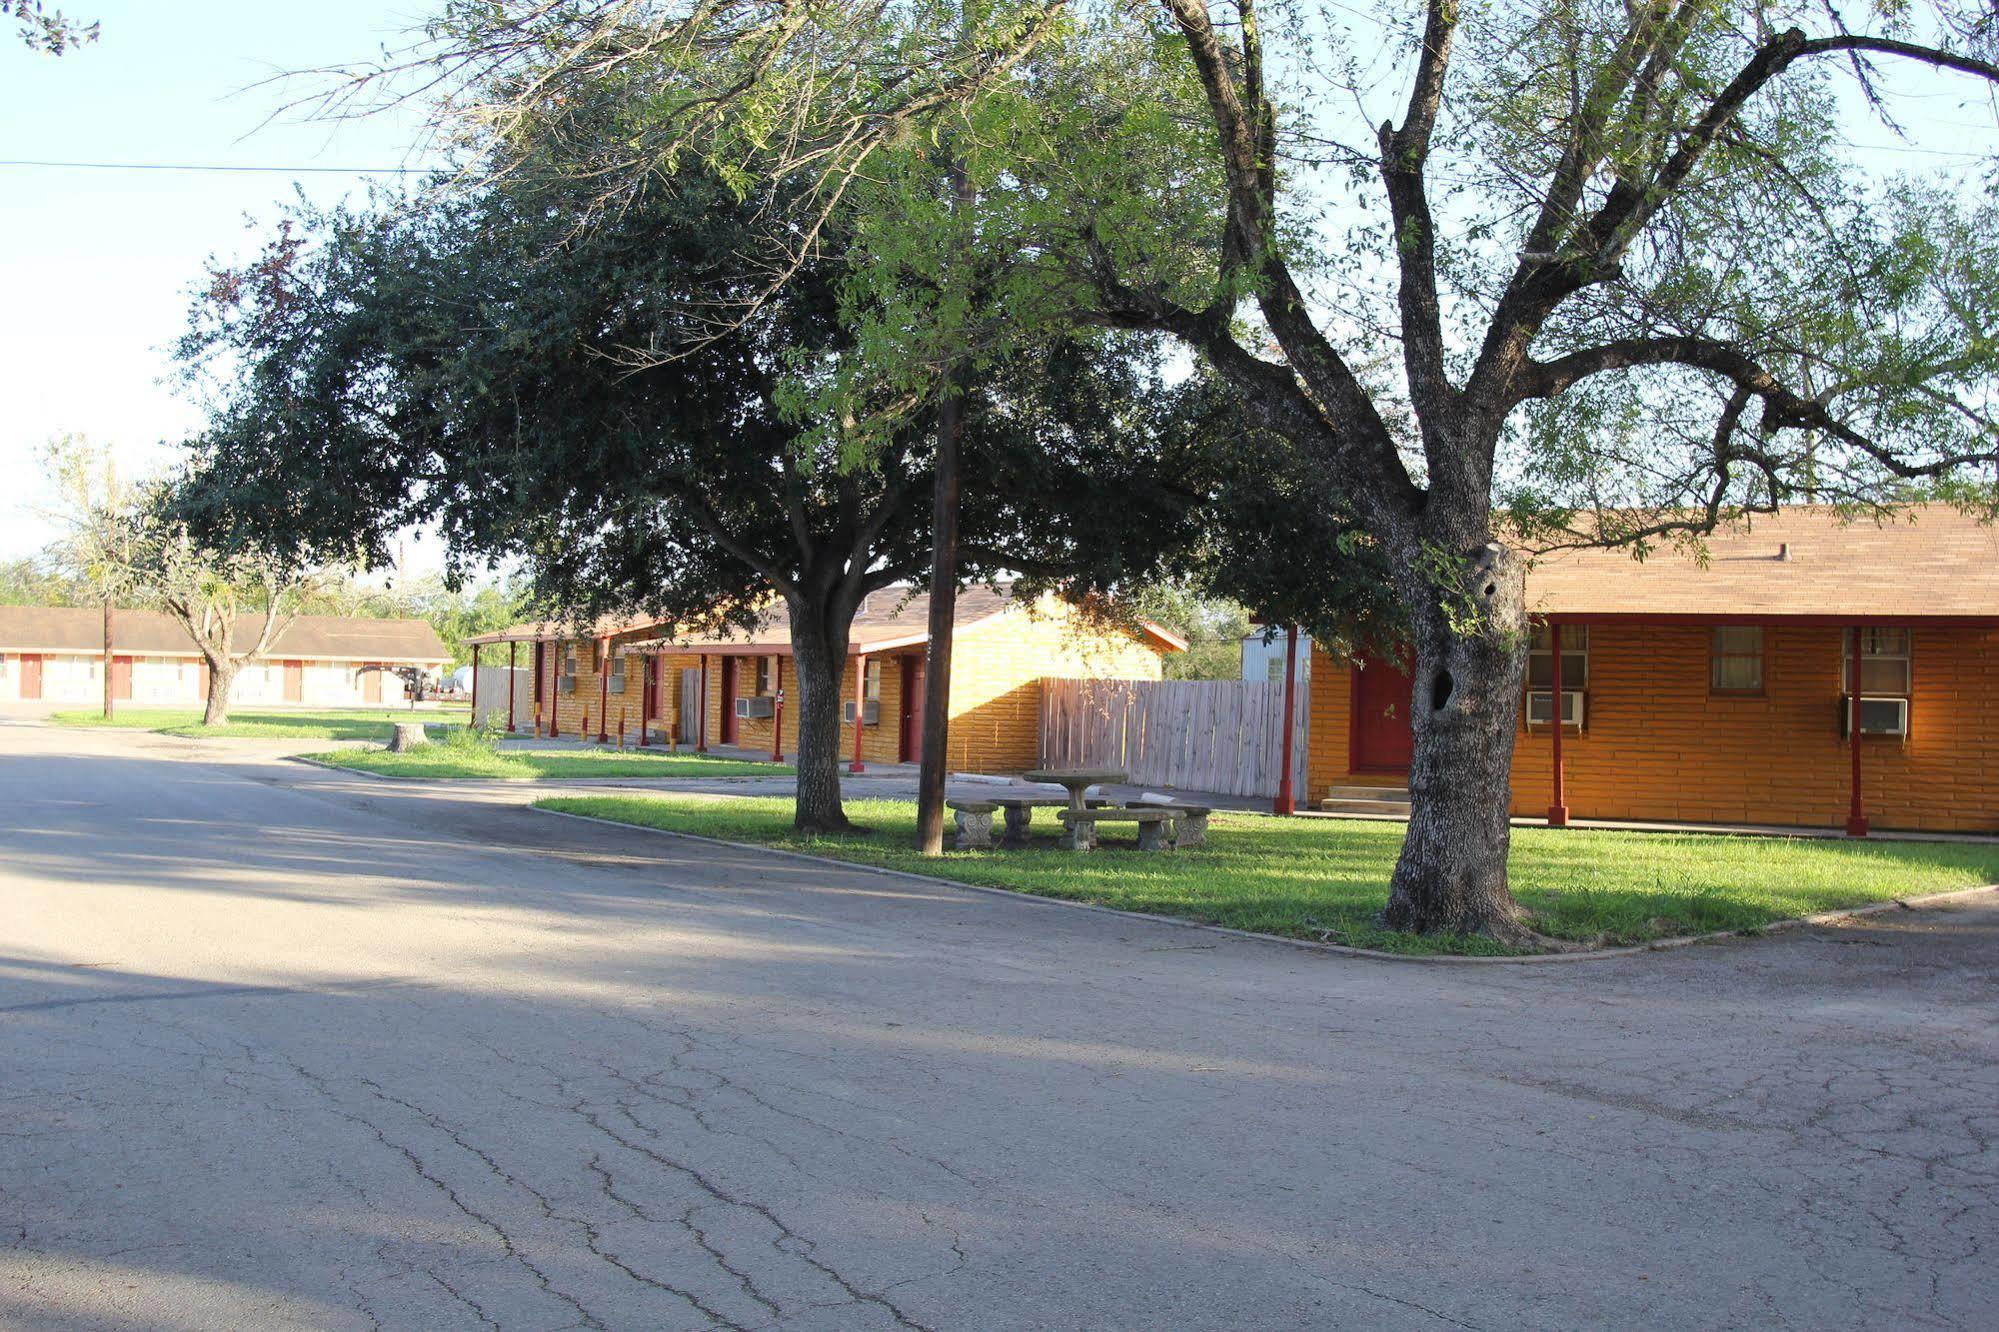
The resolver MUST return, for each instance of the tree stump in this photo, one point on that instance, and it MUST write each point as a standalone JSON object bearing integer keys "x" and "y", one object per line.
{"x": 407, "y": 736}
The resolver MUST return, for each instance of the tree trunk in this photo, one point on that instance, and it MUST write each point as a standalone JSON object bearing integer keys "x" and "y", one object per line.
{"x": 820, "y": 655}
{"x": 1470, "y": 644}
{"x": 221, "y": 678}
{"x": 943, "y": 620}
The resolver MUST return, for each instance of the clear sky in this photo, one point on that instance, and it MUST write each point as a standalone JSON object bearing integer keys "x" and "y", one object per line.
{"x": 95, "y": 265}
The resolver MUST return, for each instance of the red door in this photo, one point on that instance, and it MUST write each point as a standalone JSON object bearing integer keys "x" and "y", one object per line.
{"x": 121, "y": 678}
{"x": 909, "y": 747}
{"x": 1382, "y": 738}
{"x": 31, "y": 677}
{"x": 294, "y": 682}
{"x": 728, "y": 700}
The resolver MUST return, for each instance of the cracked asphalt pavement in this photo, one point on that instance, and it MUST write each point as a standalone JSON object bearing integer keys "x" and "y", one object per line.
{"x": 282, "y": 1048}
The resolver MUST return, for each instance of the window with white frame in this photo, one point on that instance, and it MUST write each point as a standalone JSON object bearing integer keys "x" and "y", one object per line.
{"x": 615, "y": 681}
{"x": 1735, "y": 660}
{"x": 767, "y": 675}
{"x": 565, "y": 680}
{"x": 1541, "y": 674}
{"x": 1884, "y": 663}
{"x": 1575, "y": 657}
{"x": 871, "y": 686}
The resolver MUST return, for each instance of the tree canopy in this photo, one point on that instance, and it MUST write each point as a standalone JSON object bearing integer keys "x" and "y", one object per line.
{"x": 486, "y": 362}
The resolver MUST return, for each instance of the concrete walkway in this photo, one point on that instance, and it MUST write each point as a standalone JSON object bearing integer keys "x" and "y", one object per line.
{"x": 286, "y": 1048}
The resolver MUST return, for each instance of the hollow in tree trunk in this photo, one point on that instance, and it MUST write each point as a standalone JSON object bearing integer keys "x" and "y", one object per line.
{"x": 820, "y": 661}
{"x": 1470, "y": 653}
{"x": 221, "y": 676}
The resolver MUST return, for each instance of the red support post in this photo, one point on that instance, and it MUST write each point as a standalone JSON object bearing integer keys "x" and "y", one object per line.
{"x": 553, "y": 657}
{"x": 860, "y": 709}
{"x": 475, "y": 685}
{"x": 777, "y": 712}
{"x": 513, "y": 655}
{"x": 1856, "y": 811}
{"x": 645, "y": 700}
{"x": 603, "y": 690}
{"x": 1286, "y": 802}
{"x": 701, "y": 724}
{"x": 1558, "y": 809}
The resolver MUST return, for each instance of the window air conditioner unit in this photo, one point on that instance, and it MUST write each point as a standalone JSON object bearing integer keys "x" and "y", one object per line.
{"x": 759, "y": 706}
{"x": 873, "y": 713}
{"x": 565, "y": 684}
{"x": 1878, "y": 716}
{"x": 1540, "y": 703}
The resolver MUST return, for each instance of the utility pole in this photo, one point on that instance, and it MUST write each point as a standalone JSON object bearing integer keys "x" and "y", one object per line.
{"x": 943, "y": 620}
{"x": 108, "y": 702}
{"x": 943, "y": 564}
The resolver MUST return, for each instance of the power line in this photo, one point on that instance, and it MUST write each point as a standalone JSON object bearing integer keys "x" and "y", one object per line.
{"x": 210, "y": 166}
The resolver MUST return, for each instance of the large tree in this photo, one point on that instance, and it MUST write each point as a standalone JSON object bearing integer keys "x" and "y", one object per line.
{"x": 1631, "y": 279}
{"x": 506, "y": 364}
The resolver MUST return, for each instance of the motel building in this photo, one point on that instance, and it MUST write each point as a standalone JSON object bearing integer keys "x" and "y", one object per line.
{"x": 54, "y": 654}
{"x": 1725, "y": 691}
{"x": 639, "y": 681}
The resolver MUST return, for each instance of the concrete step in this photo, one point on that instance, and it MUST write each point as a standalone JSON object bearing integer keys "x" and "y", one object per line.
{"x": 1367, "y": 793}
{"x": 1386, "y": 801}
{"x": 1384, "y": 809}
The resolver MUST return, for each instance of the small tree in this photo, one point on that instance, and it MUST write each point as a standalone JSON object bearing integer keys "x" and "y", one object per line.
{"x": 103, "y": 539}
{"x": 211, "y": 591}
{"x": 131, "y": 542}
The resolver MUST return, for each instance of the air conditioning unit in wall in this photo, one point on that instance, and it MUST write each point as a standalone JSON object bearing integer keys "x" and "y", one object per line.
{"x": 752, "y": 708}
{"x": 1540, "y": 706}
{"x": 1878, "y": 716}
{"x": 565, "y": 684}
{"x": 873, "y": 714}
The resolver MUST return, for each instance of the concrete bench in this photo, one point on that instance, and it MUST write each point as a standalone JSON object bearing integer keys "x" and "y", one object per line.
{"x": 1190, "y": 822}
{"x": 1080, "y": 826}
{"x": 1020, "y": 812}
{"x": 407, "y": 736}
{"x": 975, "y": 822}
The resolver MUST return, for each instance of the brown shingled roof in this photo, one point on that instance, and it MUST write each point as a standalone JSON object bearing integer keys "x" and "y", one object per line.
{"x": 1926, "y": 561}
{"x": 531, "y": 631}
{"x": 893, "y": 617}
{"x": 156, "y": 634}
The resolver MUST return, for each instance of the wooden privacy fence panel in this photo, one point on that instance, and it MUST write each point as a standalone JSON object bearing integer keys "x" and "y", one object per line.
{"x": 494, "y": 682}
{"x": 1224, "y": 736}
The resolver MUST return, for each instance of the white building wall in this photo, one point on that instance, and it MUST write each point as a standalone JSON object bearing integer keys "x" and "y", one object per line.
{"x": 260, "y": 682}
{"x": 1265, "y": 661}
{"x": 165, "y": 681}
{"x": 71, "y": 678}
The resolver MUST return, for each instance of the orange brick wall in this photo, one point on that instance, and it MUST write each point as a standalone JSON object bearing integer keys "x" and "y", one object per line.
{"x": 1657, "y": 745}
{"x": 879, "y": 744}
{"x": 588, "y": 701}
{"x": 996, "y": 681}
{"x": 995, "y": 695}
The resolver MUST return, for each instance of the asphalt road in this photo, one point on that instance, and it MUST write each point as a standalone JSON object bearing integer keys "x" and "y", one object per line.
{"x": 280, "y": 1048}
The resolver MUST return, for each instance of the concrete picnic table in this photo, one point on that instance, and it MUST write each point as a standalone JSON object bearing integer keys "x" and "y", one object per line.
{"x": 1078, "y": 780}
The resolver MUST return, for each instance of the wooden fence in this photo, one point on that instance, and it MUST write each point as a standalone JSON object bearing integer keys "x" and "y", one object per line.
{"x": 1224, "y": 736}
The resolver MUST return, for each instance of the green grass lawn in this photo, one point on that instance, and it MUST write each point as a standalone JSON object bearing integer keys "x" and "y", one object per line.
{"x": 332, "y": 724}
{"x": 465, "y": 760}
{"x": 1327, "y": 879}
